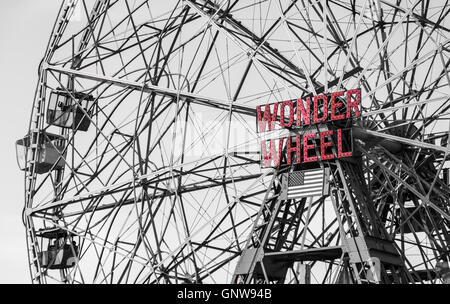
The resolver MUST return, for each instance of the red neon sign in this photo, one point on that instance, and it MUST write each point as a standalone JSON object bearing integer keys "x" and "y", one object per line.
{"x": 297, "y": 115}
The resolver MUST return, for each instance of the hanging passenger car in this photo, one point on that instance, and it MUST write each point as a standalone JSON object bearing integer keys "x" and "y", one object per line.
{"x": 50, "y": 151}
{"x": 62, "y": 251}
{"x": 70, "y": 110}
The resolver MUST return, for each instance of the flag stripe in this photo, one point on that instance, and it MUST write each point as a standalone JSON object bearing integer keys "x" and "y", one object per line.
{"x": 304, "y": 191}
{"x": 300, "y": 195}
{"x": 314, "y": 173}
{"x": 313, "y": 181}
{"x": 317, "y": 181}
{"x": 305, "y": 188}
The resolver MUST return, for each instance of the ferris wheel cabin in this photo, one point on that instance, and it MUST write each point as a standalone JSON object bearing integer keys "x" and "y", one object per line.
{"x": 70, "y": 110}
{"x": 50, "y": 151}
{"x": 62, "y": 251}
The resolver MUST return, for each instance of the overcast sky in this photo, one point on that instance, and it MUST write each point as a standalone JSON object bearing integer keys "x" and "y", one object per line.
{"x": 25, "y": 27}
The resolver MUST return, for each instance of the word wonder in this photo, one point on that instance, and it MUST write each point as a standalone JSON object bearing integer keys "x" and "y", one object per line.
{"x": 302, "y": 117}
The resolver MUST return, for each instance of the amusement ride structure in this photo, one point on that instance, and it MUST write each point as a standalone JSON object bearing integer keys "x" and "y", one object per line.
{"x": 143, "y": 159}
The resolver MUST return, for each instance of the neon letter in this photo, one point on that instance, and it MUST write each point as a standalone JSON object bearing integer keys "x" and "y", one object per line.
{"x": 316, "y": 110}
{"x": 268, "y": 118}
{"x": 290, "y": 149}
{"x": 355, "y": 104}
{"x": 291, "y": 113}
{"x": 340, "y": 153}
{"x": 324, "y": 144}
{"x": 307, "y": 147}
{"x": 267, "y": 157}
{"x": 335, "y": 105}
{"x": 301, "y": 113}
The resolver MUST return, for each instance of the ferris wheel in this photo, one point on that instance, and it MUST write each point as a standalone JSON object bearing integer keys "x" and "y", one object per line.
{"x": 143, "y": 159}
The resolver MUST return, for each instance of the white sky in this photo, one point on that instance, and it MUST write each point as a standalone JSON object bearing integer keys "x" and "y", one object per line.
{"x": 25, "y": 26}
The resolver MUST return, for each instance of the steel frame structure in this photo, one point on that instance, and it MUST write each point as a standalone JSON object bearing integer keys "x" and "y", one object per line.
{"x": 150, "y": 203}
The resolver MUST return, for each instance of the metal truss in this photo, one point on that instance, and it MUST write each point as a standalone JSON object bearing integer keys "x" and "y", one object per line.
{"x": 166, "y": 186}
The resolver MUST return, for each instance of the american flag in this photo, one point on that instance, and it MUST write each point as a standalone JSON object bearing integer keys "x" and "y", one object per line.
{"x": 307, "y": 183}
